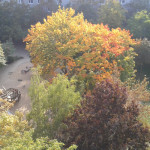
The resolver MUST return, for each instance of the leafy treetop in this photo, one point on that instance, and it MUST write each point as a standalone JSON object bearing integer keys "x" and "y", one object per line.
{"x": 74, "y": 46}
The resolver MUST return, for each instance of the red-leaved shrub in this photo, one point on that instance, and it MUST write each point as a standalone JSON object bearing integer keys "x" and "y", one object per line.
{"x": 104, "y": 122}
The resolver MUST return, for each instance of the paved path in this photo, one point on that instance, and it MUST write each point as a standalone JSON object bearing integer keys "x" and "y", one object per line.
{"x": 11, "y": 77}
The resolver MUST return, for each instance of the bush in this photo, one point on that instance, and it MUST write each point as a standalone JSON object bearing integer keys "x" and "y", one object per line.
{"x": 104, "y": 122}
{"x": 51, "y": 104}
{"x": 139, "y": 91}
{"x": 144, "y": 116}
{"x": 4, "y": 105}
{"x": 2, "y": 56}
{"x": 9, "y": 49}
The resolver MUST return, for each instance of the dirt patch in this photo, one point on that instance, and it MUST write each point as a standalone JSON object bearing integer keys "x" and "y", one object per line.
{"x": 22, "y": 82}
{"x": 11, "y": 76}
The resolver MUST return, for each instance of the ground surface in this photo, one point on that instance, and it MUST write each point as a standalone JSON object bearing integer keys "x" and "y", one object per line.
{"x": 11, "y": 76}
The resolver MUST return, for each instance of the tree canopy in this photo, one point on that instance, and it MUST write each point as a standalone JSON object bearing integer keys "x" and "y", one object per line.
{"x": 135, "y": 6}
{"x": 139, "y": 24}
{"x": 51, "y": 103}
{"x": 15, "y": 19}
{"x": 112, "y": 13}
{"x": 76, "y": 47}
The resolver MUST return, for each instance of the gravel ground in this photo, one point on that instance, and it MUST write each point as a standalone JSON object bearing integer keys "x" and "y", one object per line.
{"x": 11, "y": 76}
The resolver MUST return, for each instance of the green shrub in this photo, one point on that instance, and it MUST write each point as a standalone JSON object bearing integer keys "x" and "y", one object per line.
{"x": 51, "y": 104}
{"x": 9, "y": 49}
{"x": 2, "y": 56}
{"x": 144, "y": 116}
{"x": 105, "y": 122}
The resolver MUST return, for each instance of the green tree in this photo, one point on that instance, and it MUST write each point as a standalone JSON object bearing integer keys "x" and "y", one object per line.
{"x": 51, "y": 104}
{"x": 89, "y": 12}
{"x": 111, "y": 13}
{"x": 2, "y": 56}
{"x": 77, "y": 3}
{"x": 139, "y": 24}
{"x": 13, "y": 21}
{"x": 142, "y": 61}
{"x": 16, "y": 134}
{"x": 11, "y": 126}
{"x": 39, "y": 12}
{"x": 77, "y": 47}
{"x": 135, "y": 6}
{"x": 26, "y": 142}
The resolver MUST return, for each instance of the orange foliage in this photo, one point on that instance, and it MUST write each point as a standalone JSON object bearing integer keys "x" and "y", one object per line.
{"x": 76, "y": 46}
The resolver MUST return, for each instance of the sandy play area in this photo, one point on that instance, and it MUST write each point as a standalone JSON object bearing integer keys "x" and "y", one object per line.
{"x": 13, "y": 76}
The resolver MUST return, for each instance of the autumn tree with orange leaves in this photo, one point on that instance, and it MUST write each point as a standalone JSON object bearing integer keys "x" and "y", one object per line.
{"x": 75, "y": 47}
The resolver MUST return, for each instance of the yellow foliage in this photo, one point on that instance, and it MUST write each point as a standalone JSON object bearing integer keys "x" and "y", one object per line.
{"x": 11, "y": 126}
{"x": 139, "y": 92}
{"x": 75, "y": 46}
{"x": 4, "y": 105}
